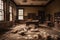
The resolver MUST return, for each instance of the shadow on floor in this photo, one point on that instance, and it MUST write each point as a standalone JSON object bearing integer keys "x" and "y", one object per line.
{"x": 3, "y": 31}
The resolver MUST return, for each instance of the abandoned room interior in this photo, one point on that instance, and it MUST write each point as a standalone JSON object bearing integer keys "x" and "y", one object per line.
{"x": 29, "y": 19}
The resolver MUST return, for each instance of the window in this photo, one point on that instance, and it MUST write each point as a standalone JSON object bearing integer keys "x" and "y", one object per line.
{"x": 10, "y": 10}
{"x": 1, "y": 11}
{"x": 20, "y": 14}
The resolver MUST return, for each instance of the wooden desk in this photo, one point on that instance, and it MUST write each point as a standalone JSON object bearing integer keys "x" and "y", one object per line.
{"x": 36, "y": 22}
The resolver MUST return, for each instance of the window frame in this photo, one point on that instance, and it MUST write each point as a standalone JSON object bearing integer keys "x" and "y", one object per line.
{"x": 21, "y": 14}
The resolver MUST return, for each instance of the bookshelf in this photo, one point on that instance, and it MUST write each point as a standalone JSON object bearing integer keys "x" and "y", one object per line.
{"x": 57, "y": 17}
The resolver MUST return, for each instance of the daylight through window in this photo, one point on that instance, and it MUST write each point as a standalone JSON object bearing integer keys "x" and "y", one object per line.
{"x": 20, "y": 14}
{"x": 1, "y": 11}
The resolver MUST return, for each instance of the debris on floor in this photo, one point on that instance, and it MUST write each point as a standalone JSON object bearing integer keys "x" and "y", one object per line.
{"x": 23, "y": 32}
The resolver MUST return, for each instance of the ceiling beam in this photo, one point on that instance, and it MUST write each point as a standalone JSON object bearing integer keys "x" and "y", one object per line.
{"x": 49, "y": 2}
{"x": 13, "y": 2}
{"x": 30, "y": 6}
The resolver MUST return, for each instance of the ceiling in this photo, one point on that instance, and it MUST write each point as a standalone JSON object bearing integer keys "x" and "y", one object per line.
{"x": 31, "y": 2}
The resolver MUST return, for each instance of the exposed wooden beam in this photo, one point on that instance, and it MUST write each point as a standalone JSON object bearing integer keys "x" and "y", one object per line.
{"x": 30, "y": 6}
{"x": 13, "y": 2}
{"x": 49, "y": 2}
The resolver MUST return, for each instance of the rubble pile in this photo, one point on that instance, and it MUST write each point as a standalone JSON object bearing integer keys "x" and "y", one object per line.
{"x": 30, "y": 33}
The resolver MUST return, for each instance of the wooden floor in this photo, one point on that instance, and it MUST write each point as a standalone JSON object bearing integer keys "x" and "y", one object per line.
{"x": 23, "y": 32}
